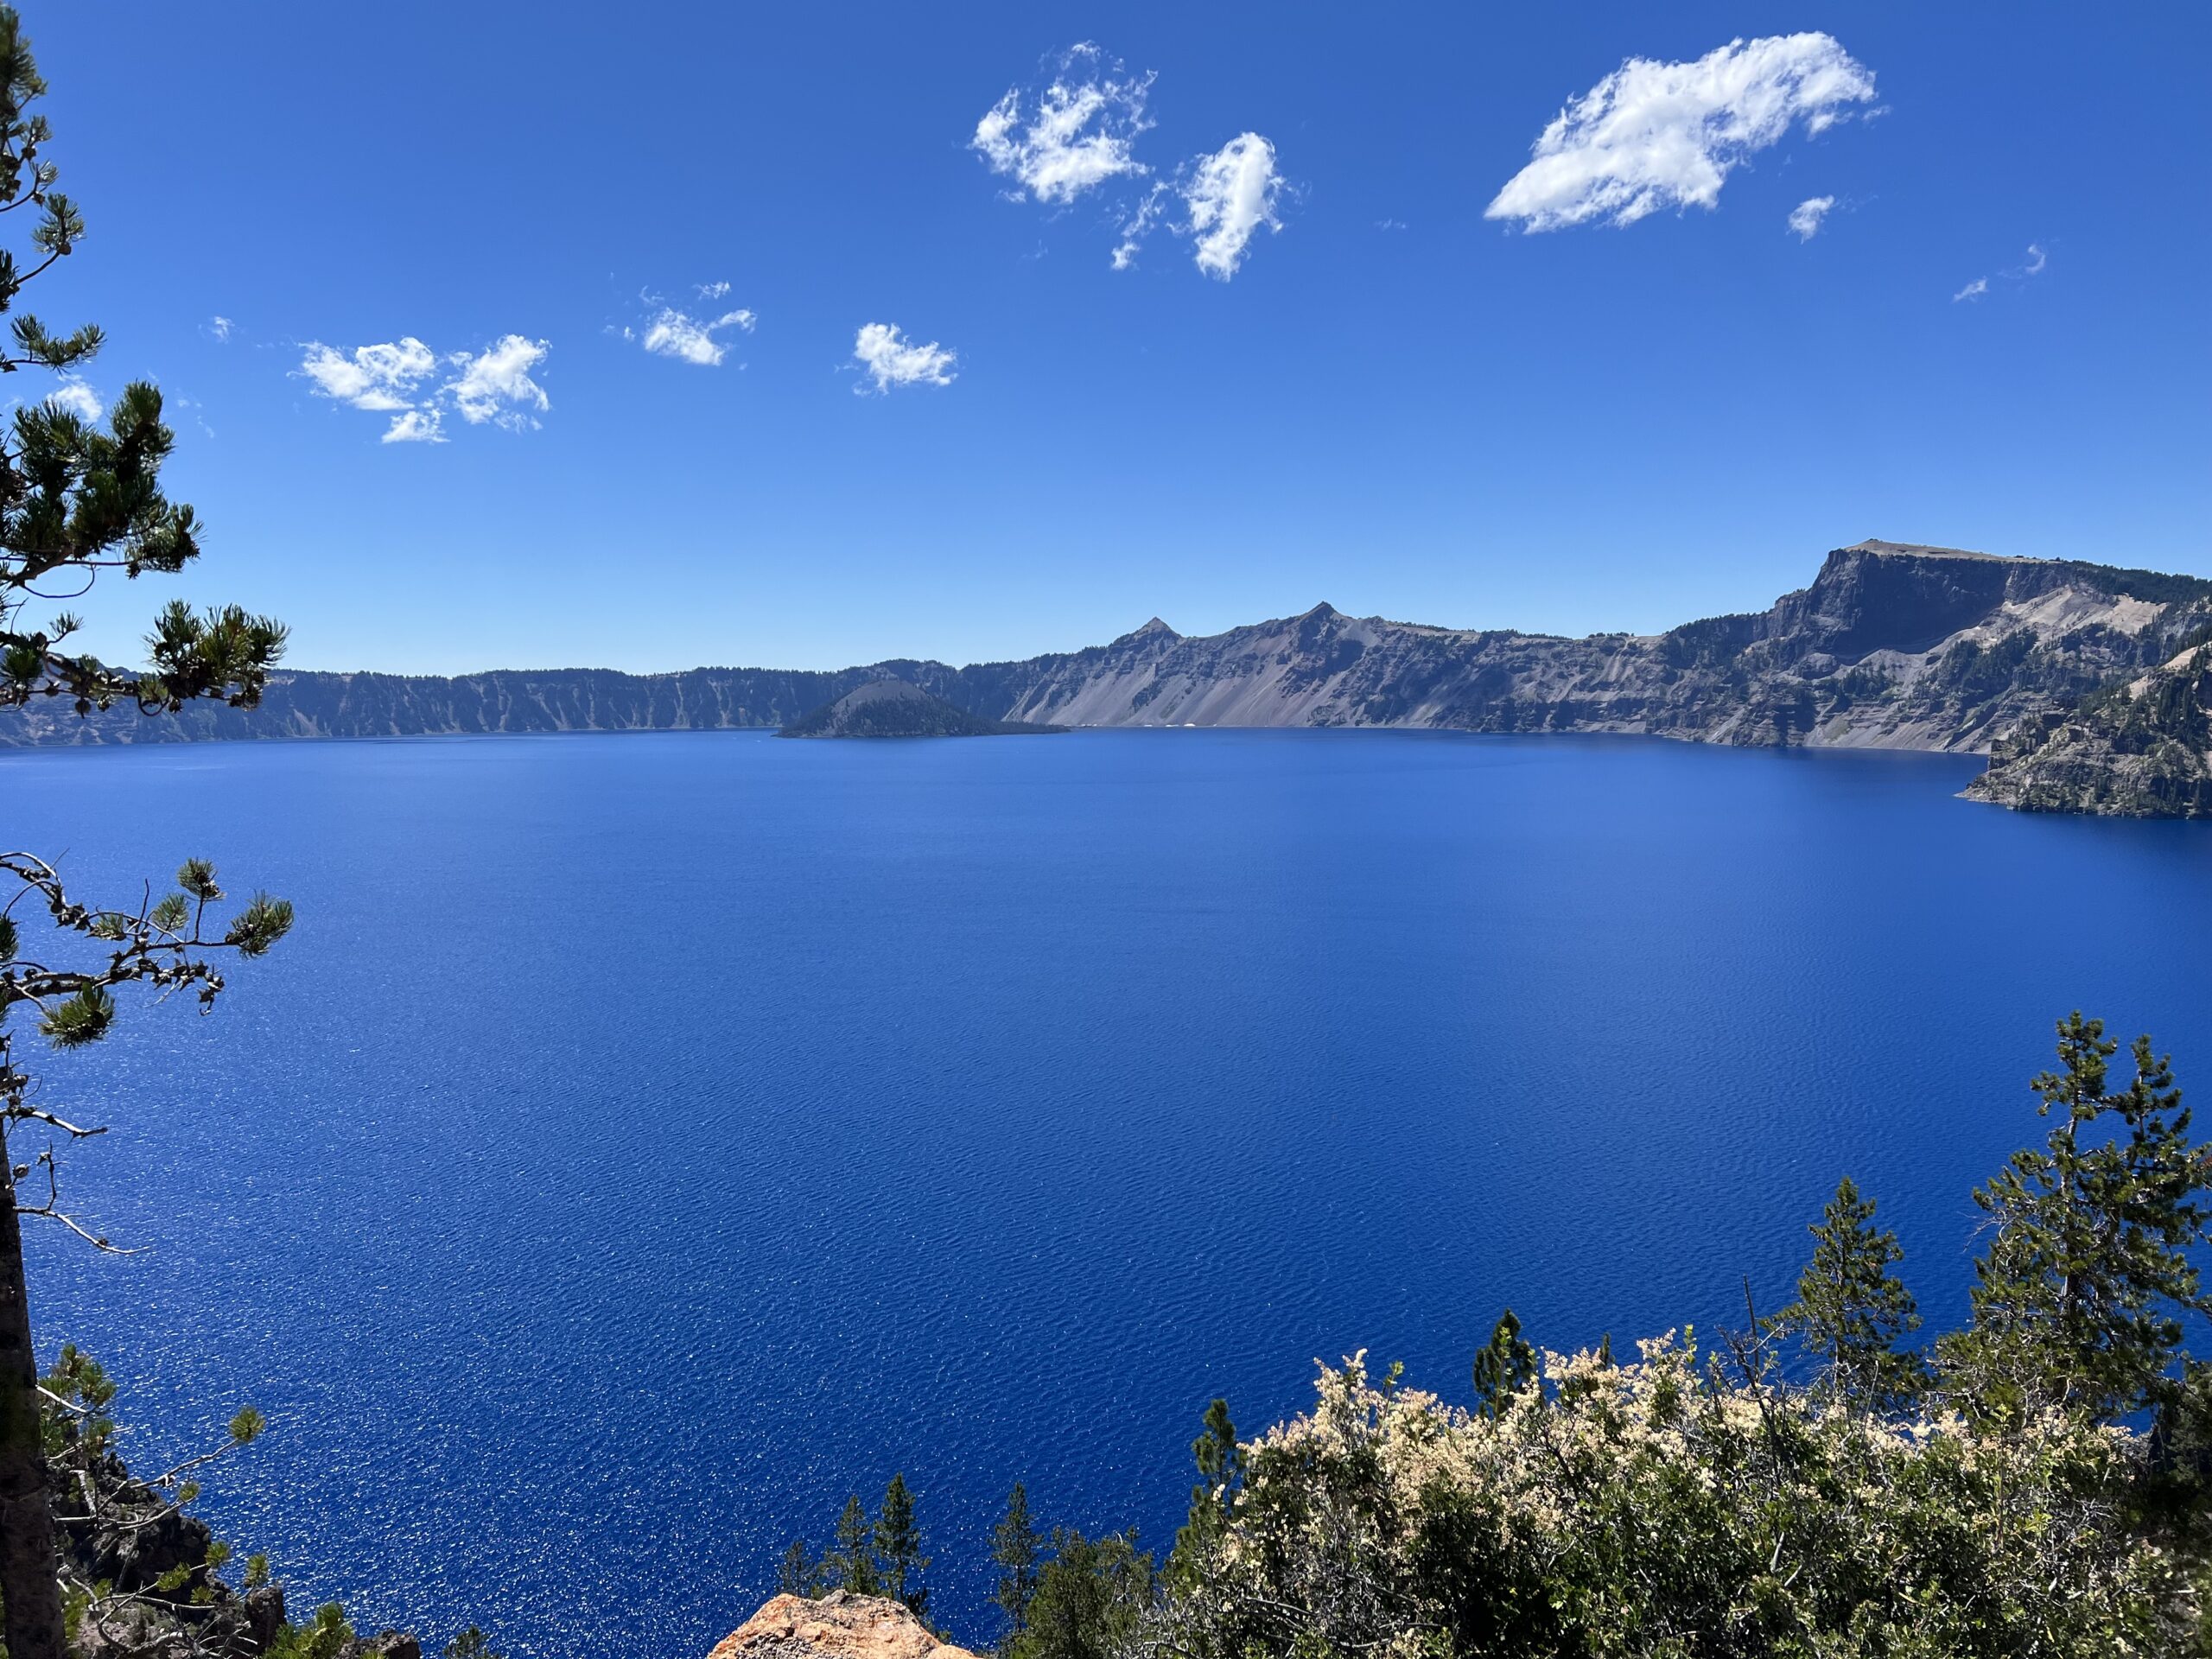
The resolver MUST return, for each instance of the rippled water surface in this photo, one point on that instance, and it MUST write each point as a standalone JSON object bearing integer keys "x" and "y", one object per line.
{"x": 644, "y": 1141}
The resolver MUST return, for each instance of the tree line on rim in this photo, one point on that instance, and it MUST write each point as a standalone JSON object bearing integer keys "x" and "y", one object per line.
{"x": 2037, "y": 1482}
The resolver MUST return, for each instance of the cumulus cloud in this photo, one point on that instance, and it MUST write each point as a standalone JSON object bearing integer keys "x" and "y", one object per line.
{"x": 495, "y": 384}
{"x": 395, "y": 377}
{"x": 891, "y": 361}
{"x": 370, "y": 377}
{"x": 1805, "y": 218}
{"x": 415, "y": 426}
{"x": 670, "y": 332}
{"x": 1972, "y": 291}
{"x": 79, "y": 398}
{"x": 1074, "y": 136}
{"x": 1230, "y": 194}
{"x": 1655, "y": 135}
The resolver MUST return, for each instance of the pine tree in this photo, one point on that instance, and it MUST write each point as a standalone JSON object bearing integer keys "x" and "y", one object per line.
{"x": 851, "y": 1564}
{"x": 898, "y": 1546}
{"x": 1851, "y": 1311}
{"x": 1221, "y": 1467}
{"x": 798, "y": 1574}
{"x": 77, "y": 498}
{"x": 1015, "y": 1545}
{"x": 2075, "y": 1302}
{"x": 1503, "y": 1367}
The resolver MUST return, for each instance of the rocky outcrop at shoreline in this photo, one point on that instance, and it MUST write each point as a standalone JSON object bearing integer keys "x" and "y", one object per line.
{"x": 2139, "y": 748}
{"x": 838, "y": 1626}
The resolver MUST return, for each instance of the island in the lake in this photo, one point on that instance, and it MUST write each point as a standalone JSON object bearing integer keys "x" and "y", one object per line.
{"x": 2083, "y": 682}
{"x": 889, "y": 707}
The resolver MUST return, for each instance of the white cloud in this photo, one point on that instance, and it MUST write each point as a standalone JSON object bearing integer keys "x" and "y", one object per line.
{"x": 1805, "y": 218}
{"x": 892, "y": 361}
{"x": 1655, "y": 135}
{"x": 670, "y": 332}
{"x": 221, "y": 327}
{"x": 80, "y": 399}
{"x": 495, "y": 384}
{"x": 1138, "y": 226}
{"x": 1230, "y": 194}
{"x": 395, "y": 379}
{"x": 1389, "y": 224}
{"x": 415, "y": 426}
{"x": 2037, "y": 260}
{"x": 1077, "y": 134}
{"x": 713, "y": 291}
{"x": 373, "y": 377}
{"x": 1972, "y": 291}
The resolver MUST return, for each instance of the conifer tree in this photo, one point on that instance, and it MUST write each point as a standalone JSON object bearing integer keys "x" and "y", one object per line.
{"x": 1503, "y": 1367}
{"x": 2076, "y": 1301}
{"x": 1220, "y": 1466}
{"x": 79, "y": 497}
{"x": 1851, "y": 1310}
{"x": 899, "y": 1548}
{"x": 1015, "y": 1545}
{"x": 851, "y": 1563}
{"x": 798, "y": 1574}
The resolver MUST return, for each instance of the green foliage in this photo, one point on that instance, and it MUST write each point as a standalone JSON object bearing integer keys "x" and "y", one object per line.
{"x": 1015, "y": 1547}
{"x": 2077, "y": 1299}
{"x": 1221, "y": 1467}
{"x": 1504, "y": 1367}
{"x": 1851, "y": 1311}
{"x": 1091, "y": 1597}
{"x": 899, "y": 1548}
{"x": 851, "y": 1565}
{"x": 471, "y": 1644}
{"x": 799, "y": 1573}
{"x": 324, "y": 1637}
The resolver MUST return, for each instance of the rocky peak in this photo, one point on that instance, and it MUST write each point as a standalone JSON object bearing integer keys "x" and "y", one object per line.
{"x": 838, "y": 1626}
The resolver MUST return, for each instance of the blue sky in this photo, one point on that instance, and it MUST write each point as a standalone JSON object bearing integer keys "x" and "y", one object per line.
{"x": 1393, "y": 402}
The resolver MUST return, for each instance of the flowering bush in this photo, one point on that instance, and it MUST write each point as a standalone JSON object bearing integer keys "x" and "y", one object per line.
{"x": 1660, "y": 1507}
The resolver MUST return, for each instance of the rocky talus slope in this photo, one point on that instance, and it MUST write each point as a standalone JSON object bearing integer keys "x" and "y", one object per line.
{"x": 838, "y": 1626}
{"x": 1891, "y": 645}
{"x": 2141, "y": 748}
{"x": 895, "y": 708}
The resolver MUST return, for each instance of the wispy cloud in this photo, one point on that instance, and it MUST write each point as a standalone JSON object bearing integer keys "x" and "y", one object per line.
{"x": 1805, "y": 218}
{"x": 891, "y": 361}
{"x": 397, "y": 378}
{"x": 221, "y": 327}
{"x": 1654, "y": 135}
{"x": 1230, "y": 195}
{"x": 79, "y": 398}
{"x": 1073, "y": 136}
{"x": 671, "y": 332}
{"x": 1079, "y": 134}
{"x": 2037, "y": 260}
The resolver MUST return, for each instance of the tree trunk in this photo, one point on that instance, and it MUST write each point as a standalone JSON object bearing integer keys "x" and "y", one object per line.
{"x": 30, "y": 1579}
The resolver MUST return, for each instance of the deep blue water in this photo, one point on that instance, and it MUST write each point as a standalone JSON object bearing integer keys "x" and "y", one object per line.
{"x": 644, "y": 1141}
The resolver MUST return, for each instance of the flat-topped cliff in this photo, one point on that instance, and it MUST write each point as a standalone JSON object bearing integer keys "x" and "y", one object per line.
{"x": 1891, "y": 645}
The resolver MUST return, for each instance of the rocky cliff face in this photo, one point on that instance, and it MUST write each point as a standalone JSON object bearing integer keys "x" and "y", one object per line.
{"x": 1891, "y": 645}
{"x": 838, "y": 1626}
{"x": 2141, "y": 748}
